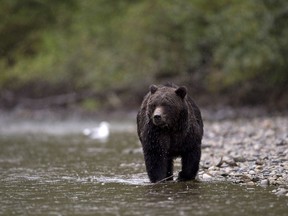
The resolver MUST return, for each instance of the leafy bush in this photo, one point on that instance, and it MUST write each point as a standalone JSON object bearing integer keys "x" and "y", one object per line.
{"x": 106, "y": 47}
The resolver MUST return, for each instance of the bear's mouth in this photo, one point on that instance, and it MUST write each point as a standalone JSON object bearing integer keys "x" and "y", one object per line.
{"x": 159, "y": 123}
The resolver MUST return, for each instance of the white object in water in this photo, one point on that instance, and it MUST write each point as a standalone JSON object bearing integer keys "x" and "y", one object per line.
{"x": 100, "y": 133}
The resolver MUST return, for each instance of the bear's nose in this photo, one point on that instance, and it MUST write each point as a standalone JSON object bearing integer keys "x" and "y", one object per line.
{"x": 157, "y": 117}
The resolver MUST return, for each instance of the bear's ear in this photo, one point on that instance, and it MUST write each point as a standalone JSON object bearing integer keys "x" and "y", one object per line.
{"x": 181, "y": 91}
{"x": 153, "y": 89}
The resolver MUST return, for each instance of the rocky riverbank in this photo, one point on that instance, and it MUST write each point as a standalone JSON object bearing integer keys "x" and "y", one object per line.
{"x": 249, "y": 151}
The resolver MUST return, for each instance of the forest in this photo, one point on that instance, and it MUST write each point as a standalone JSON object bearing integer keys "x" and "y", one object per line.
{"x": 105, "y": 53}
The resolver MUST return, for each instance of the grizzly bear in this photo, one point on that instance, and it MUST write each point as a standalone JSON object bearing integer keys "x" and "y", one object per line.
{"x": 169, "y": 125}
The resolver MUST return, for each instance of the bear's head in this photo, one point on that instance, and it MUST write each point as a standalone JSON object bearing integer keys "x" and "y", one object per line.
{"x": 167, "y": 106}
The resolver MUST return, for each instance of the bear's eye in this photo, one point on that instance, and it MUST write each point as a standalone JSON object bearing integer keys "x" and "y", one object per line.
{"x": 152, "y": 106}
{"x": 167, "y": 105}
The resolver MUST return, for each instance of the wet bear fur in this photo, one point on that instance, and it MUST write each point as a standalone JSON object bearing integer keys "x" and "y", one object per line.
{"x": 169, "y": 125}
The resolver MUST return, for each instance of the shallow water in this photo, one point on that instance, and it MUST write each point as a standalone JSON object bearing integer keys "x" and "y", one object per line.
{"x": 42, "y": 174}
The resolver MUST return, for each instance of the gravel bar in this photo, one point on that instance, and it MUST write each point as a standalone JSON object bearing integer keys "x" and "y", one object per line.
{"x": 249, "y": 151}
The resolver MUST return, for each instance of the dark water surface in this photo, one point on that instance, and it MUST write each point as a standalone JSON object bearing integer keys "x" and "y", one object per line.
{"x": 73, "y": 175}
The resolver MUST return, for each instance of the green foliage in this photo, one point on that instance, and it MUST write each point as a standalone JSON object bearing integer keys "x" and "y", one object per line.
{"x": 246, "y": 46}
{"x": 161, "y": 36}
{"x": 104, "y": 46}
{"x": 22, "y": 31}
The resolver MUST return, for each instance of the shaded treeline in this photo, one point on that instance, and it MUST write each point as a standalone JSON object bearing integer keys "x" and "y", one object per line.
{"x": 105, "y": 53}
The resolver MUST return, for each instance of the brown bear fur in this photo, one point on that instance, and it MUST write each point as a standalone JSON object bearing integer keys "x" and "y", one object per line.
{"x": 169, "y": 125}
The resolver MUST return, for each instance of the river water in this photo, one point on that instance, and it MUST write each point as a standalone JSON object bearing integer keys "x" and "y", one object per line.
{"x": 70, "y": 174}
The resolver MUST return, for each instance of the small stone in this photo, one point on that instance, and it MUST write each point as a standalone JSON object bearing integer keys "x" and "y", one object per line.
{"x": 255, "y": 179}
{"x": 228, "y": 169}
{"x": 251, "y": 183}
{"x": 266, "y": 173}
{"x": 246, "y": 178}
{"x": 272, "y": 181}
{"x": 239, "y": 159}
{"x": 213, "y": 168}
{"x": 224, "y": 174}
{"x": 259, "y": 167}
{"x": 231, "y": 163}
{"x": 273, "y": 173}
{"x": 259, "y": 162}
{"x": 275, "y": 162}
{"x": 214, "y": 173}
{"x": 206, "y": 165}
{"x": 281, "y": 192}
{"x": 281, "y": 142}
{"x": 257, "y": 147}
{"x": 201, "y": 172}
{"x": 264, "y": 182}
{"x": 206, "y": 176}
{"x": 252, "y": 172}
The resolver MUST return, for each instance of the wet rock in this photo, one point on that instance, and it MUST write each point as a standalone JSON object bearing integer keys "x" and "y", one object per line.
{"x": 245, "y": 178}
{"x": 230, "y": 163}
{"x": 239, "y": 159}
{"x": 281, "y": 192}
{"x": 252, "y": 172}
{"x": 206, "y": 164}
{"x": 255, "y": 179}
{"x": 224, "y": 174}
{"x": 273, "y": 181}
{"x": 257, "y": 147}
{"x": 214, "y": 172}
{"x": 266, "y": 173}
{"x": 200, "y": 173}
{"x": 259, "y": 162}
{"x": 250, "y": 183}
{"x": 207, "y": 176}
{"x": 281, "y": 142}
{"x": 264, "y": 182}
{"x": 213, "y": 168}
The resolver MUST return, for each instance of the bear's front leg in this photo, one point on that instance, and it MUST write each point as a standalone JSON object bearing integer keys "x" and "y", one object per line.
{"x": 155, "y": 147}
{"x": 190, "y": 165}
{"x": 156, "y": 164}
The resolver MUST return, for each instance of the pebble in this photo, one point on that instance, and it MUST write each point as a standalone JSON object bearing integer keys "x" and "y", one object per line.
{"x": 281, "y": 191}
{"x": 259, "y": 162}
{"x": 252, "y": 172}
{"x": 239, "y": 159}
{"x": 224, "y": 174}
{"x": 206, "y": 176}
{"x": 250, "y": 183}
{"x": 264, "y": 182}
{"x": 247, "y": 151}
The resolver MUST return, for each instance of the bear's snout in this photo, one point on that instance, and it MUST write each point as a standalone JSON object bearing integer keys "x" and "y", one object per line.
{"x": 157, "y": 119}
{"x": 158, "y": 116}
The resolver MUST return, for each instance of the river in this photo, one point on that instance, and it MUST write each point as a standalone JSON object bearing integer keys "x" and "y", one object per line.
{"x": 63, "y": 172}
